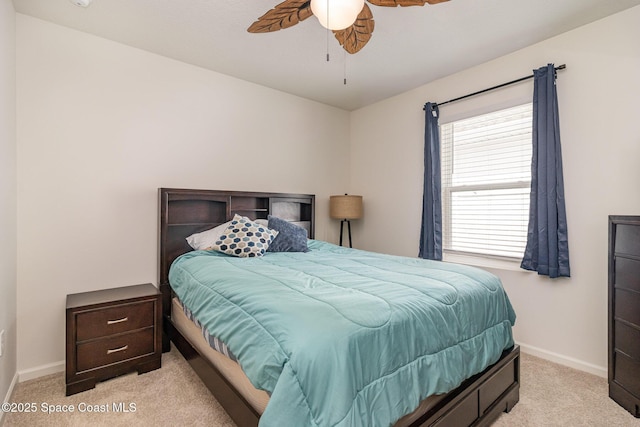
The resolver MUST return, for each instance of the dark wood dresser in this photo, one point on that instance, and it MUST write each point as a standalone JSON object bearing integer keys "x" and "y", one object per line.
{"x": 624, "y": 312}
{"x": 112, "y": 332}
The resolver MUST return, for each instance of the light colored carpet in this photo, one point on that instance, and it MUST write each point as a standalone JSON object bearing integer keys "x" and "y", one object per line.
{"x": 550, "y": 395}
{"x": 170, "y": 396}
{"x": 553, "y": 395}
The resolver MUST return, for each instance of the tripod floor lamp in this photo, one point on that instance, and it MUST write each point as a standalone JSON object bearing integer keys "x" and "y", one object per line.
{"x": 345, "y": 208}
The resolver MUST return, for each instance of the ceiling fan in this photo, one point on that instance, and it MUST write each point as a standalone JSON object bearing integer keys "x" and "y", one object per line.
{"x": 352, "y": 34}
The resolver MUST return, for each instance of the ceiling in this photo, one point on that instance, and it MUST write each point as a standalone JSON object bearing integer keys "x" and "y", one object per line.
{"x": 410, "y": 46}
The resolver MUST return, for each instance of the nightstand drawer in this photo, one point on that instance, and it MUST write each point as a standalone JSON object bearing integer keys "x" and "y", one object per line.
{"x": 115, "y": 349}
{"x": 114, "y": 320}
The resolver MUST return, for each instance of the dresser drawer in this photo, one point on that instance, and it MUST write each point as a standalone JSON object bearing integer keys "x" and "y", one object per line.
{"x": 627, "y": 373}
{"x": 628, "y": 239}
{"x": 627, "y": 273}
{"x": 627, "y": 306}
{"x": 113, "y": 320}
{"x": 627, "y": 340}
{"x": 115, "y": 349}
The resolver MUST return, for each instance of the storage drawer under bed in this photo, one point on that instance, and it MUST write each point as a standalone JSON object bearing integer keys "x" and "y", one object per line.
{"x": 499, "y": 387}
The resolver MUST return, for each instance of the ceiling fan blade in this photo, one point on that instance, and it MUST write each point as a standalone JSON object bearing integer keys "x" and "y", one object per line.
{"x": 285, "y": 15}
{"x": 355, "y": 37}
{"x": 394, "y": 3}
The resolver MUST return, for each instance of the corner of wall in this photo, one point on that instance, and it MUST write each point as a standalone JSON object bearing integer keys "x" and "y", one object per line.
{"x": 7, "y": 398}
{"x": 8, "y": 195}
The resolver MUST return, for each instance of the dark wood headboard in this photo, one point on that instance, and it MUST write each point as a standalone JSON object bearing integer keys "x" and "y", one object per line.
{"x": 183, "y": 212}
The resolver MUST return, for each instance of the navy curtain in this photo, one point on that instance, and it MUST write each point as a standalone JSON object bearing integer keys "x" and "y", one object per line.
{"x": 431, "y": 230}
{"x": 547, "y": 250}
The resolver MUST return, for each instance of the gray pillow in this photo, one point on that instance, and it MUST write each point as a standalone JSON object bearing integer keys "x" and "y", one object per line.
{"x": 290, "y": 238}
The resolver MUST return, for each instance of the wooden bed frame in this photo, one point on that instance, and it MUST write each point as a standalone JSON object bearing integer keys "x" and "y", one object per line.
{"x": 478, "y": 401}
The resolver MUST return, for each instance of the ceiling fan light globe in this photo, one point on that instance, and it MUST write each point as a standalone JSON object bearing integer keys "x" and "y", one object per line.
{"x": 341, "y": 13}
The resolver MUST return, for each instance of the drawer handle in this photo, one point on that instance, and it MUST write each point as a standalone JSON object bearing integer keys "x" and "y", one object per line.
{"x": 112, "y": 322}
{"x": 115, "y": 350}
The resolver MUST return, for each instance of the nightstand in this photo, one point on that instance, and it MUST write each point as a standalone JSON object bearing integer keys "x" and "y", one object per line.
{"x": 112, "y": 332}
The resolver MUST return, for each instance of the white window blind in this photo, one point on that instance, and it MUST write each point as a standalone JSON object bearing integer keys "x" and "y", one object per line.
{"x": 486, "y": 180}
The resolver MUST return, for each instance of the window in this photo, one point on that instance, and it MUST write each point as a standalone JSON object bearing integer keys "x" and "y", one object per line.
{"x": 486, "y": 181}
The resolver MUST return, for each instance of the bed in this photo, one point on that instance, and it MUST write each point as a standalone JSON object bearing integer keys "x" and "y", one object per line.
{"x": 478, "y": 400}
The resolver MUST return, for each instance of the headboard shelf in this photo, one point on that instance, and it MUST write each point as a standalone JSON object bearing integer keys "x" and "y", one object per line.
{"x": 251, "y": 214}
{"x": 196, "y": 211}
{"x": 249, "y": 202}
{"x": 192, "y": 224}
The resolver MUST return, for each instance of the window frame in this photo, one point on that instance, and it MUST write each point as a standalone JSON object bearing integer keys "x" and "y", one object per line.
{"x": 447, "y": 194}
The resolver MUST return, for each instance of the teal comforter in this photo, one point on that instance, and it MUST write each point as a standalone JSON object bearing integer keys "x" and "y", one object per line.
{"x": 342, "y": 337}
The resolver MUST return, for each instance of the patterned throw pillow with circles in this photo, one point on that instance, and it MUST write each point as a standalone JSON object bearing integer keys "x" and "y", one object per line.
{"x": 244, "y": 238}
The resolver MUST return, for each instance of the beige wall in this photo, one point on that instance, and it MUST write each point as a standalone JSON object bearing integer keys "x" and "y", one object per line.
{"x": 101, "y": 126}
{"x": 8, "y": 191}
{"x": 566, "y": 319}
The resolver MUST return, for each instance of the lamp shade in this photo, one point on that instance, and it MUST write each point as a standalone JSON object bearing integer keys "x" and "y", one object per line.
{"x": 345, "y": 207}
{"x": 336, "y": 14}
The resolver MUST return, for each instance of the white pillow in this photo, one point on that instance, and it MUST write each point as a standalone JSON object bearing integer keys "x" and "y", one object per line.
{"x": 206, "y": 239}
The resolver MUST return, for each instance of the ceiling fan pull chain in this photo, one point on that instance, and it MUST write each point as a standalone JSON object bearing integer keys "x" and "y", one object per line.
{"x": 327, "y": 31}
{"x": 345, "y": 67}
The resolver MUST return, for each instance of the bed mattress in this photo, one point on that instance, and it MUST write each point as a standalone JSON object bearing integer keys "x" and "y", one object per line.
{"x": 232, "y": 371}
{"x": 345, "y": 337}
{"x": 229, "y": 368}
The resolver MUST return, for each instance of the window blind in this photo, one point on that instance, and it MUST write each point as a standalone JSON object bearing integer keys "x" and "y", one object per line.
{"x": 486, "y": 180}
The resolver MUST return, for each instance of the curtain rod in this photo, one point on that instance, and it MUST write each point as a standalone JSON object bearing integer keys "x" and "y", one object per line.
{"x": 439, "y": 104}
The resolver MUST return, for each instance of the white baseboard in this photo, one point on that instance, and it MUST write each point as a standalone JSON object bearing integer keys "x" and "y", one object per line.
{"x": 41, "y": 371}
{"x": 30, "y": 374}
{"x": 7, "y": 398}
{"x": 564, "y": 360}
